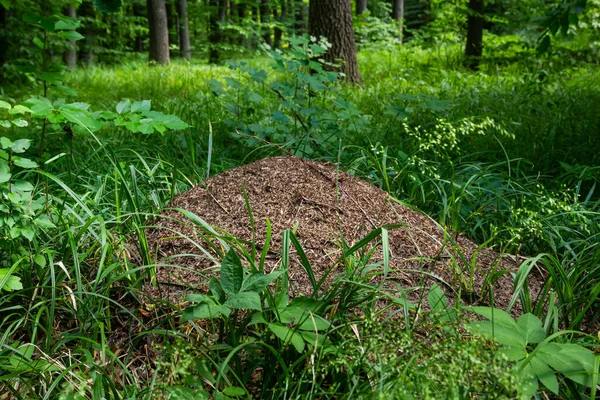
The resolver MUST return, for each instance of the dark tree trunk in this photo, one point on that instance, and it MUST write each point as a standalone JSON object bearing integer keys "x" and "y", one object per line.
{"x": 361, "y": 6}
{"x": 265, "y": 18}
{"x": 241, "y": 16}
{"x": 138, "y": 11}
{"x": 159, "y": 32}
{"x": 278, "y": 33}
{"x": 214, "y": 33}
{"x": 300, "y": 17}
{"x": 86, "y": 54}
{"x": 3, "y": 38}
{"x": 474, "y": 47}
{"x": 333, "y": 19}
{"x": 70, "y": 54}
{"x": 184, "y": 30}
{"x": 398, "y": 15}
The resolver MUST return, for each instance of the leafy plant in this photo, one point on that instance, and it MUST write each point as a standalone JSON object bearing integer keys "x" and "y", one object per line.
{"x": 538, "y": 356}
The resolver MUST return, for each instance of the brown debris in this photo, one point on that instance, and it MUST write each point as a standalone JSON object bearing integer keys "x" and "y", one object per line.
{"x": 325, "y": 204}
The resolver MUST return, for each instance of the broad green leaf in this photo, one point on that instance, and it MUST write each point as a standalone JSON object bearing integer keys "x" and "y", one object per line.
{"x": 6, "y": 143}
{"x": 21, "y": 145}
{"x": 81, "y": 118}
{"x": 67, "y": 24}
{"x": 258, "y": 281}
{"x": 214, "y": 285}
{"x": 40, "y": 107}
{"x": 499, "y": 333}
{"x": 531, "y": 328}
{"x": 232, "y": 274}
{"x": 43, "y": 221}
{"x": 513, "y": 353}
{"x": 40, "y": 260}
{"x": 545, "y": 374}
{"x": 140, "y": 106}
{"x": 5, "y": 123}
{"x": 437, "y": 299}
{"x": 572, "y": 360}
{"x": 28, "y": 232}
{"x": 4, "y": 172}
{"x": 24, "y": 162}
{"x": 244, "y": 300}
{"x": 303, "y": 318}
{"x": 11, "y": 282}
{"x": 123, "y": 106}
{"x": 20, "y": 110}
{"x": 496, "y": 315}
{"x": 530, "y": 384}
{"x": 288, "y": 335}
{"x": 5, "y": 105}
{"x": 38, "y": 42}
{"x": 208, "y": 310}
{"x": 52, "y": 77}
{"x": 23, "y": 186}
{"x": 71, "y": 36}
{"x": 19, "y": 122}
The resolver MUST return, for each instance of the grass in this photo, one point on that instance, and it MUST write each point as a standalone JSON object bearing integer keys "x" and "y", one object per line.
{"x": 505, "y": 157}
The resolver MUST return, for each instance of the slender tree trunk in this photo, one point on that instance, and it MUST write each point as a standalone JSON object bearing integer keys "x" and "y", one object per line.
{"x": 139, "y": 11}
{"x": 184, "y": 30}
{"x": 214, "y": 33}
{"x": 241, "y": 16}
{"x": 86, "y": 54}
{"x": 265, "y": 18}
{"x": 300, "y": 18}
{"x": 70, "y": 54}
{"x": 159, "y": 32}
{"x": 3, "y": 38}
{"x": 398, "y": 15}
{"x": 278, "y": 33}
{"x": 474, "y": 46}
{"x": 333, "y": 19}
{"x": 361, "y": 6}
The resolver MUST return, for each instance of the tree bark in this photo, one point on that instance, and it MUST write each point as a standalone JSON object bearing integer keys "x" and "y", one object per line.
{"x": 70, "y": 54}
{"x": 333, "y": 20}
{"x": 474, "y": 46}
{"x": 3, "y": 38}
{"x": 159, "y": 32}
{"x": 361, "y": 6}
{"x": 184, "y": 30}
{"x": 398, "y": 15}
{"x": 214, "y": 32}
{"x": 278, "y": 33}
{"x": 265, "y": 18}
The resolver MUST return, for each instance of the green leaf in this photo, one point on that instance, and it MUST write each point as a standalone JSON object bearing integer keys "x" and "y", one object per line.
{"x": 232, "y": 274}
{"x": 437, "y": 299}
{"x": 140, "y": 106}
{"x": 5, "y": 123}
{"x": 208, "y": 310}
{"x": 20, "y": 110}
{"x": 21, "y": 145}
{"x": 107, "y": 6}
{"x": 5, "y": 142}
{"x": 496, "y": 315}
{"x": 123, "y": 106}
{"x": 544, "y": 44}
{"x": 38, "y": 42}
{"x": 4, "y": 172}
{"x": 215, "y": 288}
{"x": 5, "y": 105}
{"x": 288, "y": 335}
{"x": 28, "y": 233}
{"x": 44, "y": 221}
{"x": 244, "y": 300}
{"x": 545, "y": 374}
{"x": 234, "y": 391}
{"x": 531, "y": 328}
{"x": 24, "y": 162}
{"x": 40, "y": 107}
{"x": 71, "y": 36}
{"x": 23, "y": 186}
{"x": 52, "y": 77}
{"x": 19, "y": 122}
{"x": 258, "y": 281}
{"x": 11, "y": 282}
{"x": 500, "y": 333}
{"x": 572, "y": 360}
{"x": 40, "y": 260}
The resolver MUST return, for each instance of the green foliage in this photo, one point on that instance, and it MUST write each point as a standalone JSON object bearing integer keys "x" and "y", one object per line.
{"x": 538, "y": 357}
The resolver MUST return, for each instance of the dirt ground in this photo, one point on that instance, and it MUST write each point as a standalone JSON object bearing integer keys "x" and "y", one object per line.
{"x": 323, "y": 204}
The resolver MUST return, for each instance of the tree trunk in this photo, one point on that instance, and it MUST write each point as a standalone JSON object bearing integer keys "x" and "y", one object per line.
{"x": 214, "y": 33}
{"x": 361, "y": 6}
{"x": 398, "y": 15}
{"x": 86, "y": 54}
{"x": 474, "y": 47}
{"x": 333, "y": 19}
{"x": 70, "y": 54}
{"x": 138, "y": 45}
{"x": 184, "y": 30}
{"x": 278, "y": 33}
{"x": 159, "y": 32}
{"x": 3, "y": 38}
{"x": 265, "y": 18}
{"x": 299, "y": 18}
